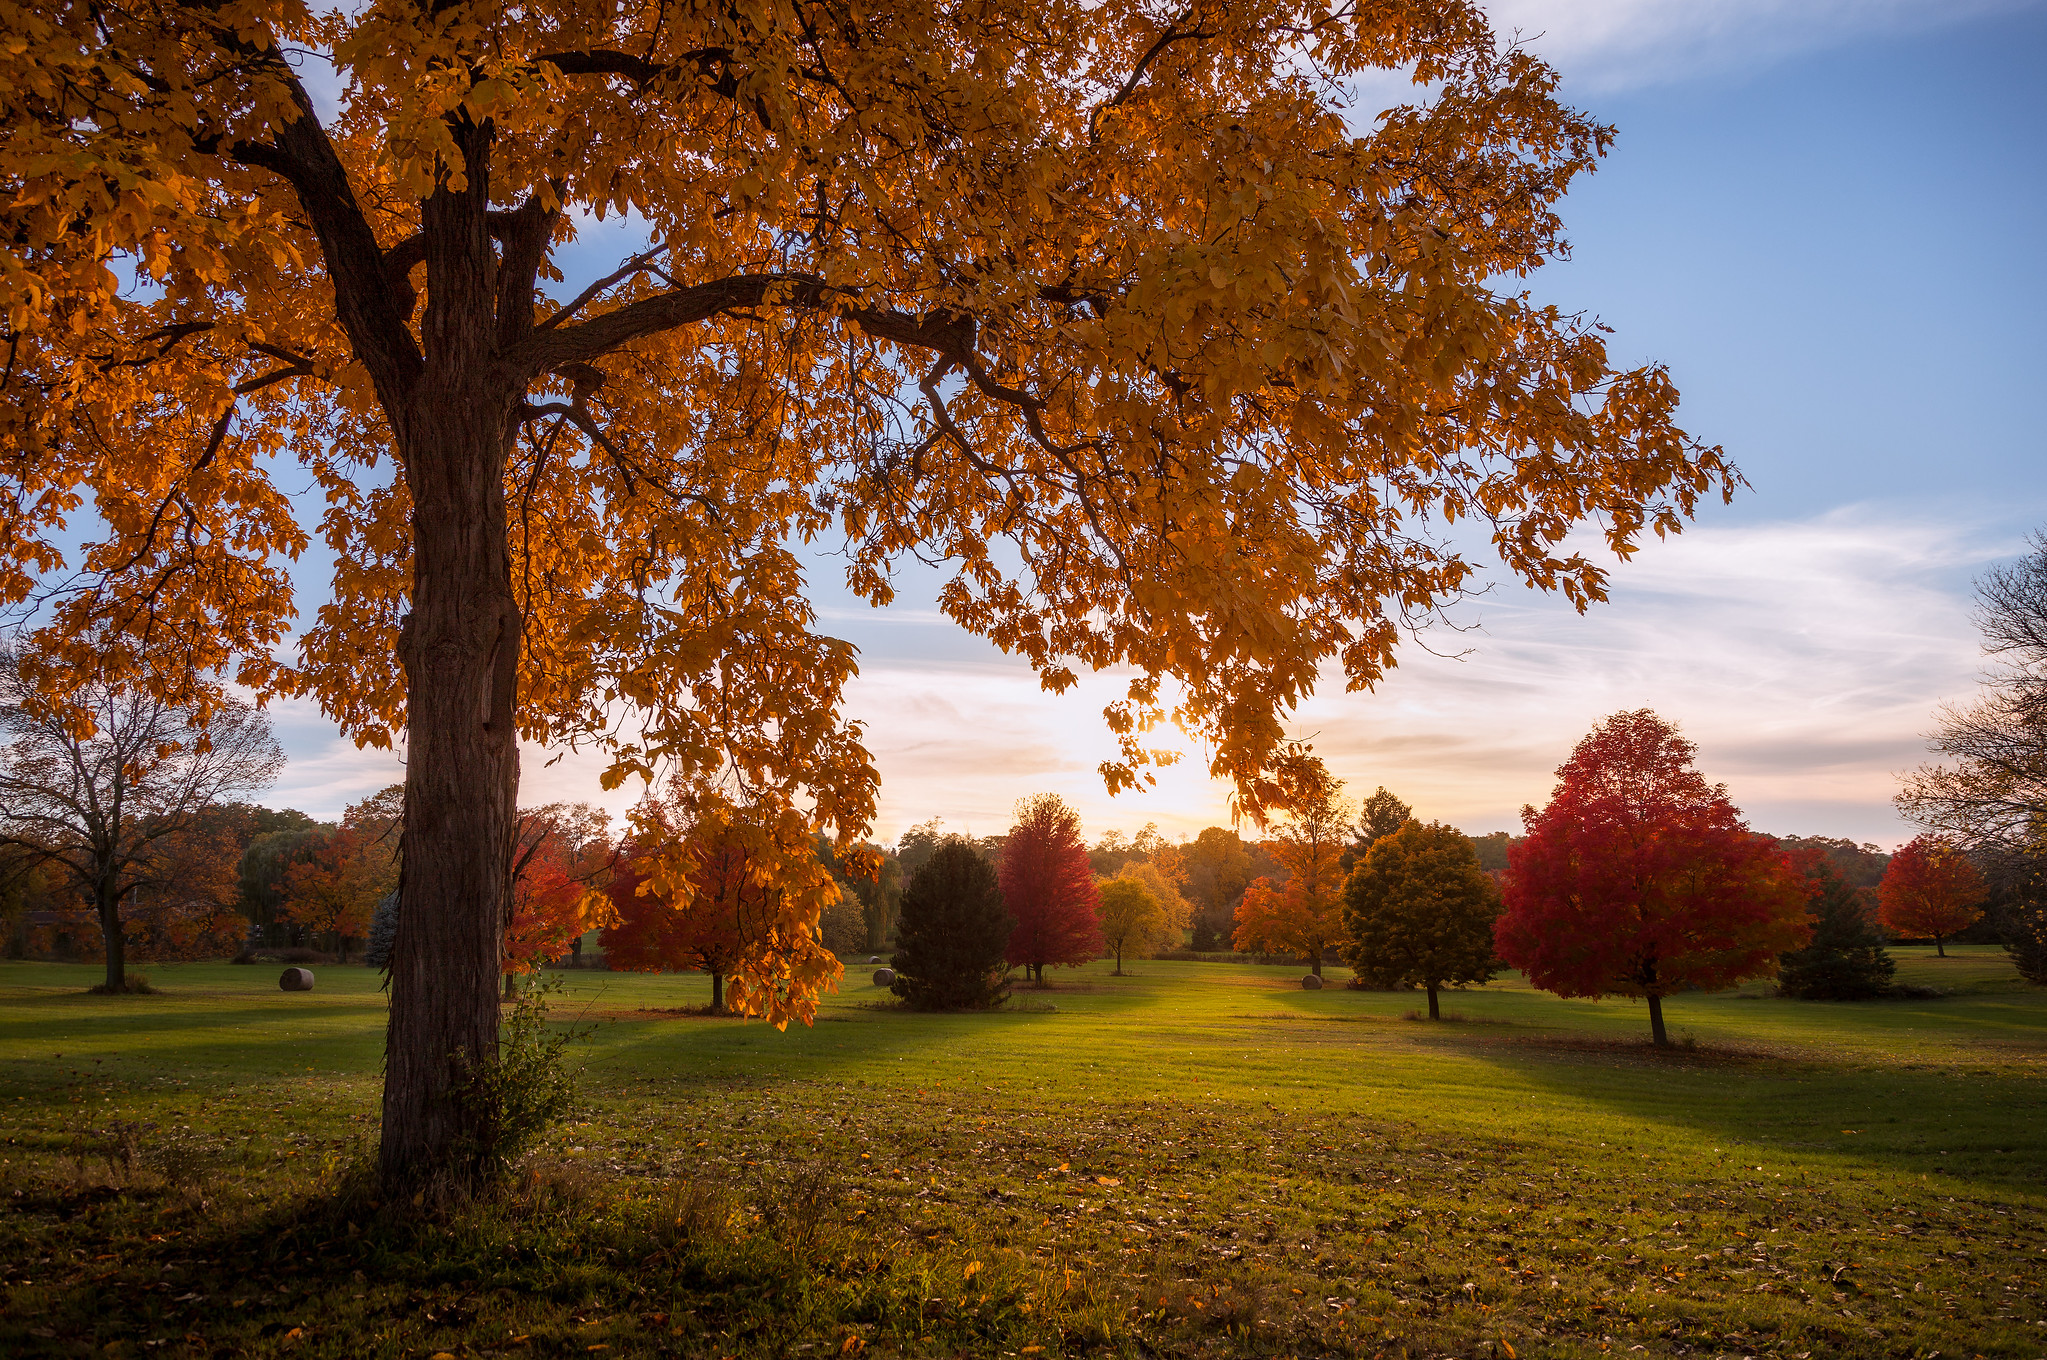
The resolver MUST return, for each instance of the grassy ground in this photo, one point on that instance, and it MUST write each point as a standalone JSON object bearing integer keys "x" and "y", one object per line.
{"x": 1200, "y": 1159}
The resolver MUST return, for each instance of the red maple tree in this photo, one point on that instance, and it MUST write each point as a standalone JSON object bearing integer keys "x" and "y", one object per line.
{"x": 1930, "y": 891}
{"x": 1048, "y": 884}
{"x": 563, "y": 852}
{"x": 654, "y": 934}
{"x": 1640, "y": 879}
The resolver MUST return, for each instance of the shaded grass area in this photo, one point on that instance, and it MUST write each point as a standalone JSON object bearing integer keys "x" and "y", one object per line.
{"x": 1196, "y": 1160}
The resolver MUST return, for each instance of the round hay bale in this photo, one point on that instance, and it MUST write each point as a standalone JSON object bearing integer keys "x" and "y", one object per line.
{"x": 296, "y": 980}
{"x": 874, "y": 958}
{"x": 1311, "y": 983}
{"x": 884, "y": 977}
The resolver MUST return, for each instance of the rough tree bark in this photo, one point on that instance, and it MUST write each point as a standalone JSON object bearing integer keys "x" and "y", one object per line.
{"x": 460, "y": 650}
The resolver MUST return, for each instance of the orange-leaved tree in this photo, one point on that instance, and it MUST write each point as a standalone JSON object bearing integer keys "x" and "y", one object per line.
{"x": 698, "y": 891}
{"x": 1930, "y": 890}
{"x": 1104, "y": 302}
{"x": 1305, "y": 911}
{"x": 1640, "y": 879}
{"x": 335, "y": 889}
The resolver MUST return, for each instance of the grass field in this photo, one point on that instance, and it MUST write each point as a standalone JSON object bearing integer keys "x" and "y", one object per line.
{"x": 1199, "y": 1159}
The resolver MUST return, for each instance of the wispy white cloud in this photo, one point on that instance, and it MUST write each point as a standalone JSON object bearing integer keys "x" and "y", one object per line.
{"x": 1613, "y": 44}
{"x": 1804, "y": 657}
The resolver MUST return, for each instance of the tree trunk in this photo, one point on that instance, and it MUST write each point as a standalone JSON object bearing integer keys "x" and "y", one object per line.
{"x": 1939, "y": 947}
{"x": 1435, "y": 1010}
{"x": 1119, "y": 962}
{"x": 111, "y": 931}
{"x": 460, "y": 649}
{"x": 717, "y": 992}
{"x": 1656, "y": 1030}
{"x": 1315, "y": 962}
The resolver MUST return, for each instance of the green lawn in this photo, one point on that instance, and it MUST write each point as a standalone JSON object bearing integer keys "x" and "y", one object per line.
{"x": 1196, "y": 1159}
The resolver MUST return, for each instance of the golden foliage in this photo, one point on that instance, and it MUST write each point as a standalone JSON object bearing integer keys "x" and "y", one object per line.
{"x": 1108, "y": 305}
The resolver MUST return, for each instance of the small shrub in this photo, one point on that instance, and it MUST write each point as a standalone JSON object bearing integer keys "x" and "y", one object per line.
{"x": 300, "y": 954}
{"x": 527, "y": 1088}
{"x": 247, "y": 956}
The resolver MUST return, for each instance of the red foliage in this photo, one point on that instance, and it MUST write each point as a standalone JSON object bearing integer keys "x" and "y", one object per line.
{"x": 1640, "y": 879}
{"x": 1930, "y": 891}
{"x": 1048, "y": 884}
{"x": 563, "y": 850}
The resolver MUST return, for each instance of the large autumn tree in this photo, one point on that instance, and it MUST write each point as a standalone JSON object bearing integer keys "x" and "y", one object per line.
{"x": 1113, "y": 305}
{"x": 692, "y": 888}
{"x": 1931, "y": 891}
{"x": 1304, "y": 911}
{"x": 1049, "y": 887}
{"x": 1640, "y": 879}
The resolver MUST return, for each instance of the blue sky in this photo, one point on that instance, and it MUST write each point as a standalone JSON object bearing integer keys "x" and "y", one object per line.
{"x": 1824, "y": 218}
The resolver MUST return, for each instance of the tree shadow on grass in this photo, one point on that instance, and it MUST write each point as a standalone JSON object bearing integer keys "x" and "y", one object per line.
{"x": 1791, "y": 1108}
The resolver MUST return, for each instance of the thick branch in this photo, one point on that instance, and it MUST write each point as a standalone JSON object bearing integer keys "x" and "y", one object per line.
{"x": 371, "y": 308}
{"x": 945, "y": 333}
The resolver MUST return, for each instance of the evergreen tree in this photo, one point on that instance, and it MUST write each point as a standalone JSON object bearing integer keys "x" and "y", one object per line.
{"x": 383, "y": 931}
{"x": 1380, "y": 815}
{"x": 1419, "y": 910}
{"x": 953, "y": 933}
{"x": 1846, "y": 960}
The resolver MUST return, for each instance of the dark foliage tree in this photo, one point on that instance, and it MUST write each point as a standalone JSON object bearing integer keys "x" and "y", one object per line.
{"x": 2021, "y": 909}
{"x": 1380, "y": 815}
{"x": 1846, "y": 960}
{"x": 383, "y": 933}
{"x": 1420, "y": 911}
{"x": 1491, "y": 850}
{"x": 952, "y": 938}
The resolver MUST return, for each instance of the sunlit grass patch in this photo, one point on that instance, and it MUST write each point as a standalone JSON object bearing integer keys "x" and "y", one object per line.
{"x": 1156, "y": 1168}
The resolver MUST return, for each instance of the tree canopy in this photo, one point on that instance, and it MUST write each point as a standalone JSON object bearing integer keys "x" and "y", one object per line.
{"x": 1931, "y": 891}
{"x": 1132, "y": 919}
{"x": 1418, "y": 910}
{"x": 1304, "y": 911}
{"x": 953, "y": 934}
{"x": 1049, "y": 887}
{"x": 1115, "y": 307}
{"x": 1640, "y": 879}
